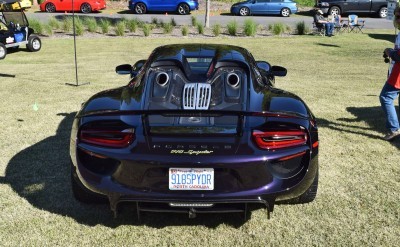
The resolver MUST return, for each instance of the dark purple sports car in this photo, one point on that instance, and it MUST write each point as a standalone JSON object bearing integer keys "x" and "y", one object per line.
{"x": 199, "y": 128}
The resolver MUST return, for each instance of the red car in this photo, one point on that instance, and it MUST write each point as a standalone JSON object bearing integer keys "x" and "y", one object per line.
{"x": 84, "y": 6}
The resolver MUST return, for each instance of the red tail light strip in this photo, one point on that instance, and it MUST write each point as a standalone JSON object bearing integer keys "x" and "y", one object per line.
{"x": 276, "y": 139}
{"x": 292, "y": 156}
{"x": 107, "y": 138}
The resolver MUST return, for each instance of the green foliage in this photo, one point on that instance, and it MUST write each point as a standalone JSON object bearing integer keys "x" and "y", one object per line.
{"x": 36, "y": 25}
{"x": 216, "y": 29}
{"x": 67, "y": 24}
{"x": 120, "y": 28}
{"x": 48, "y": 29}
{"x": 308, "y": 3}
{"x": 167, "y": 27}
{"x": 54, "y": 23}
{"x": 232, "y": 27}
{"x": 194, "y": 20}
{"x": 200, "y": 28}
{"x": 79, "y": 27}
{"x": 105, "y": 25}
{"x": 154, "y": 20}
{"x": 185, "y": 30}
{"x": 277, "y": 28}
{"x": 91, "y": 24}
{"x": 146, "y": 29}
{"x": 302, "y": 28}
{"x": 132, "y": 25}
{"x": 250, "y": 27}
{"x": 173, "y": 22}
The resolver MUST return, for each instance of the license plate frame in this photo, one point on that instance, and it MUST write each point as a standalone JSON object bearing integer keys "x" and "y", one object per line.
{"x": 191, "y": 178}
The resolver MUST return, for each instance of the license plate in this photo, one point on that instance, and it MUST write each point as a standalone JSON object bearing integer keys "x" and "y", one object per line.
{"x": 191, "y": 178}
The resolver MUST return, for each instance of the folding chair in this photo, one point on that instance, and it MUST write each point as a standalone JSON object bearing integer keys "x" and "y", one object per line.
{"x": 318, "y": 28}
{"x": 340, "y": 25}
{"x": 355, "y": 24}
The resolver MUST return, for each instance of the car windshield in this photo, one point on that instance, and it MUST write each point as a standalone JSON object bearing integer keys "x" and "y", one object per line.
{"x": 16, "y": 17}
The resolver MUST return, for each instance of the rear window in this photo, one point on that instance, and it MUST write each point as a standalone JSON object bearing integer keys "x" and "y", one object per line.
{"x": 199, "y": 65}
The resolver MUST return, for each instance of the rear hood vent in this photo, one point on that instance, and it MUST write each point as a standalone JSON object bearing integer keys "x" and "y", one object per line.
{"x": 196, "y": 96}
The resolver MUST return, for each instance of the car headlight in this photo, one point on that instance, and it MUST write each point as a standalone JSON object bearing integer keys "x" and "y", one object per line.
{"x": 324, "y": 4}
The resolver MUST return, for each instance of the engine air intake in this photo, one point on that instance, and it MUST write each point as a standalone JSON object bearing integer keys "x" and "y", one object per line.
{"x": 196, "y": 96}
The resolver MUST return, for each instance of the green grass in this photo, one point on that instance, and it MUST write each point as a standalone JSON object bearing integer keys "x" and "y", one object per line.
{"x": 339, "y": 78}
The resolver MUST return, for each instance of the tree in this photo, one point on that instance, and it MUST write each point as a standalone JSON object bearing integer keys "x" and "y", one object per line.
{"x": 207, "y": 20}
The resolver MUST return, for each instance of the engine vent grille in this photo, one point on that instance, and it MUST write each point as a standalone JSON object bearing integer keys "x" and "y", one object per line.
{"x": 196, "y": 96}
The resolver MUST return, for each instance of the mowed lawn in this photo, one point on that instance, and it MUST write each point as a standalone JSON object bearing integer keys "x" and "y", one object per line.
{"x": 339, "y": 78}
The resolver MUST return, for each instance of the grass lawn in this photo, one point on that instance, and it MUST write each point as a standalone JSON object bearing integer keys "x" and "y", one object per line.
{"x": 339, "y": 78}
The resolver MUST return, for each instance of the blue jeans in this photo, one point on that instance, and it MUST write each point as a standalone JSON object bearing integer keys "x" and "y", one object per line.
{"x": 329, "y": 28}
{"x": 387, "y": 96}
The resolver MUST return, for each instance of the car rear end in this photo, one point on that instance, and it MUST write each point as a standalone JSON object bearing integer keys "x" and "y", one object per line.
{"x": 195, "y": 147}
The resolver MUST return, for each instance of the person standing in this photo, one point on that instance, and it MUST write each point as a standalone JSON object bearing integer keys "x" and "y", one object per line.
{"x": 391, "y": 89}
{"x": 329, "y": 26}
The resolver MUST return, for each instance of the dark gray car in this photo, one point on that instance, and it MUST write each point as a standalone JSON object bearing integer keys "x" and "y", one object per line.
{"x": 338, "y": 7}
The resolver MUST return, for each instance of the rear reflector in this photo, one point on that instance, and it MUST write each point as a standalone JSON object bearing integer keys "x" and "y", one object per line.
{"x": 276, "y": 139}
{"x": 107, "y": 137}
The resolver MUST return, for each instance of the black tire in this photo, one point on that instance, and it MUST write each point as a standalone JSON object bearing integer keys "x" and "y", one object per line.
{"x": 383, "y": 12}
{"x": 334, "y": 11}
{"x": 81, "y": 193}
{"x": 86, "y": 8}
{"x": 140, "y": 8}
{"x": 285, "y": 12}
{"x": 34, "y": 43}
{"x": 50, "y": 8}
{"x": 244, "y": 11}
{"x": 3, "y": 51}
{"x": 183, "y": 9}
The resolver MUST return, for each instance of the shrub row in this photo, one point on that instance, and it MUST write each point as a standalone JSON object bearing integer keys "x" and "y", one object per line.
{"x": 120, "y": 27}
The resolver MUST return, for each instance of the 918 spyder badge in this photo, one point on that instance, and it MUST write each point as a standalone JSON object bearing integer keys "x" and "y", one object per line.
{"x": 190, "y": 152}
{"x": 9, "y": 40}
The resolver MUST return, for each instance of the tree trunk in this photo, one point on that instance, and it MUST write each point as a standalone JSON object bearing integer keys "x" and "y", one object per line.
{"x": 207, "y": 21}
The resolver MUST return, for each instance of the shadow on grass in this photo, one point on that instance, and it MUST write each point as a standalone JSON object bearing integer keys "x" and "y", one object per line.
{"x": 387, "y": 37}
{"x": 41, "y": 175}
{"x": 372, "y": 116}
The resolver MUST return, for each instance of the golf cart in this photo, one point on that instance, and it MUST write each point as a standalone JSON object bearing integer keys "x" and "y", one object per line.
{"x": 14, "y": 30}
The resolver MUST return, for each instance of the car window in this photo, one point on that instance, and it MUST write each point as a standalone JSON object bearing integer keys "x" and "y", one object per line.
{"x": 263, "y": 1}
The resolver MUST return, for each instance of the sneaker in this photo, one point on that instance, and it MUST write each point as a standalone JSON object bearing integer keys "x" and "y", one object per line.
{"x": 391, "y": 135}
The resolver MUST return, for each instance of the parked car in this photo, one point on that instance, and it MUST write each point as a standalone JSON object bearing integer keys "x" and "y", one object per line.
{"x": 182, "y": 7}
{"x": 264, "y": 7}
{"x": 84, "y": 6}
{"x": 15, "y": 30}
{"x": 200, "y": 128}
{"x": 338, "y": 7}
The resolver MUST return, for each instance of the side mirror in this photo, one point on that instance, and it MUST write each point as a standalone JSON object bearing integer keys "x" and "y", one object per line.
{"x": 124, "y": 69}
{"x": 263, "y": 65}
{"x": 278, "y": 71}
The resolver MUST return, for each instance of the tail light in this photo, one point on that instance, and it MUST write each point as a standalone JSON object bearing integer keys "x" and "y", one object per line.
{"x": 113, "y": 138}
{"x": 276, "y": 139}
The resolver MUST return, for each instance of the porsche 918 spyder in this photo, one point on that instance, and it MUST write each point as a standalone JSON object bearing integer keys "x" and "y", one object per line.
{"x": 199, "y": 128}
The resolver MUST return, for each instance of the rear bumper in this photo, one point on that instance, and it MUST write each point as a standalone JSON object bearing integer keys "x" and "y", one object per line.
{"x": 238, "y": 179}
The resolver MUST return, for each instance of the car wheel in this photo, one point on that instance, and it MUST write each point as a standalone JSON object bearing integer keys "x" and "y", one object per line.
{"x": 86, "y": 8}
{"x": 81, "y": 193}
{"x": 50, "y": 7}
{"x": 285, "y": 12}
{"x": 34, "y": 43}
{"x": 334, "y": 11}
{"x": 244, "y": 11}
{"x": 140, "y": 8}
{"x": 183, "y": 9}
{"x": 383, "y": 12}
{"x": 3, "y": 51}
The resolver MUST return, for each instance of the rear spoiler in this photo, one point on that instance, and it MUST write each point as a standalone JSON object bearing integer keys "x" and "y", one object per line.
{"x": 189, "y": 113}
